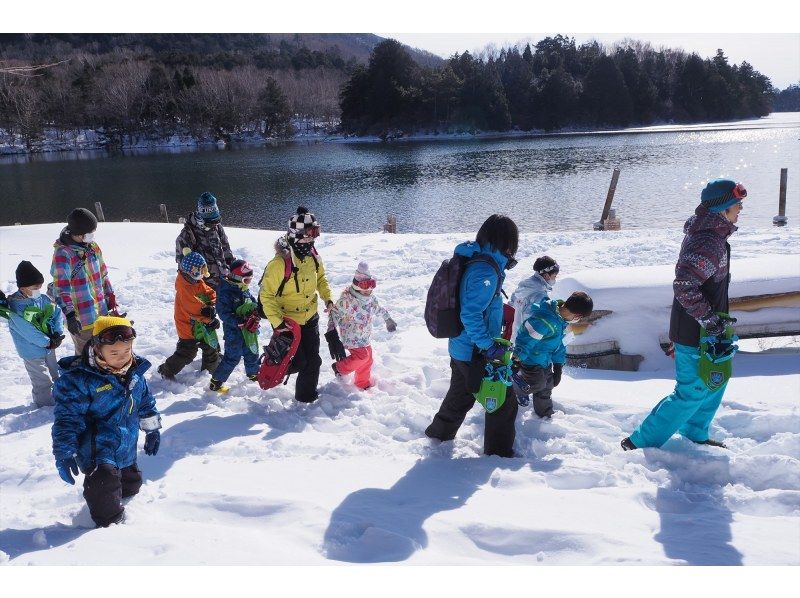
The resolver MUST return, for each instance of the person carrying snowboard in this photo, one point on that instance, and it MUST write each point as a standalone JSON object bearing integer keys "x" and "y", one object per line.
{"x": 203, "y": 232}
{"x": 292, "y": 282}
{"x": 238, "y": 311}
{"x": 702, "y": 278}
{"x": 539, "y": 348}
{"x": 195, "y": 318}
{"x": 481, "y": 314}
{"x": 352, "y": 316}
{"x": 36, "y": 330}
{"x": 102, "y": 401}
{"x": 80, "y": 278}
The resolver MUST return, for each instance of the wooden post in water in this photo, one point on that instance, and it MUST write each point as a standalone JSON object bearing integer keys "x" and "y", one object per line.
{"x": 181, "y": 220}
{"x": 781, "y": 219}
{"x": 612, "y": 188}
{"x": 98, "y": 208}
{"x": 164, "y": 212}
{"x": 391, "y": 224}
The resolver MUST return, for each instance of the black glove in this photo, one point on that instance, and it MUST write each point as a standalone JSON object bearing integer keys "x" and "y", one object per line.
{"x": 73, "y": 324}
{"x": 208, "y": 311}
{"x": 335, "y": 345}
{"x": 557, "y": 367}
{"x": 151, "y": 442}
{"x": 55, "y": 341}
{"x": 713, "y": 324}
{"x": 213, "y": 324}
{"x": 3, "y": 299}
{"x": 391, "y": 326}
{"x": 278, "y": 346}
{"x": 495, "y": 352}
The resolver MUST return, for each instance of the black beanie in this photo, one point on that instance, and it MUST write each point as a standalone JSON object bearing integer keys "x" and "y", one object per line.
{"x": 81, "y": 221}
{"x": 28, "y": 275}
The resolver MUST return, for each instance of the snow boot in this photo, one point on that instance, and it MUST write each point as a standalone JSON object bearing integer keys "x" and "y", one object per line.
{"x": 627, "y": 445}
{"x": 217, "y": 386}
{"x": 165, "y": 374}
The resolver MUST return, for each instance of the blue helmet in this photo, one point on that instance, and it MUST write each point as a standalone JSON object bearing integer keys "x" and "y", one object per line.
{"x": 193, "y": 265}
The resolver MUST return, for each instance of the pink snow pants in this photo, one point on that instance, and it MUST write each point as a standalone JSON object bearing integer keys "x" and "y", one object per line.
{"x": 360, "y": 362}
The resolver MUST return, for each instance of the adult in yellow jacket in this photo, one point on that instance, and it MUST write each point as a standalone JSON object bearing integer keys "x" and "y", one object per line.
{"x": 289, "y": 289}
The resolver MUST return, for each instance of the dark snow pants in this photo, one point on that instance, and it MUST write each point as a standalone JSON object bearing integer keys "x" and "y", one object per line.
{"x": 306, "y": 362}
{"x": 541, "y": 382}
{"x": 105, "y": 488}
{"x": 499, "y": 431}
{"x": 184, "y": 354}
{"x": 235, "y": 351}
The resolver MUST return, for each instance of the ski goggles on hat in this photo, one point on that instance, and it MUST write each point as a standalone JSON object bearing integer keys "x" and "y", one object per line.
{"x": 366, "y": 284}
{"x": 311, "y": 231}
{"x": 739, "y": 192}
{"x": 115, "y": 334}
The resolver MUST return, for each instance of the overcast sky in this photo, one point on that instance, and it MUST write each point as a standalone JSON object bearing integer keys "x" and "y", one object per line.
{"x": 777, "y": 55}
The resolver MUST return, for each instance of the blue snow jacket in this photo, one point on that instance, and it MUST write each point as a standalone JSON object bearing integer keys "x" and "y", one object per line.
{"x": 540, "y": 340}
{"x": 229, "y": 298}
{"x": 98, "y": 415}
{"x": 481, "y": 305}
{"x": 30, "y": 342}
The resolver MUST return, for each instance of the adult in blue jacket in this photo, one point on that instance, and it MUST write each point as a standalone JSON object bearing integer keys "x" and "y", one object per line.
{"x": 482, "y": 317}
{"x": 102, "y": 401}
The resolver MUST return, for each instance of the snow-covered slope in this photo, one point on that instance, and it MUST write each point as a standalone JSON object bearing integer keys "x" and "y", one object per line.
{"x": 256, "y": 478}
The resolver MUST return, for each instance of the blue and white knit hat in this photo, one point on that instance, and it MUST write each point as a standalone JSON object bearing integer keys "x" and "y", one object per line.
{"x": 193, "y": 264}
{"x": 207, "y": 209}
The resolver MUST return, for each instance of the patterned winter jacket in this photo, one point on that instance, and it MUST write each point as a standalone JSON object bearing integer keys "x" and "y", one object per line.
{"x": 190, "y": 298}
{"x": 98, "y": 415}
{"x": 702, "y": 275}
{"x": 80, "y": 279}
{"x": 29, "y": 341}
{"x": 298, "y": 300}
{"x": 529, "y": 292}
{"x": 540, "y": 340}
{"x": 353, "y": 315}
{"x": 212, "y": 244}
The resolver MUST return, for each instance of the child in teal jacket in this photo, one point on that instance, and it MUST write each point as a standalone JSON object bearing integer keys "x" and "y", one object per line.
{"x": 540, "y": 351}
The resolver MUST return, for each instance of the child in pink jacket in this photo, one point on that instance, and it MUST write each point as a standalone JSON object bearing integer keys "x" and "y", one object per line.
{"x": 352, "y": 316}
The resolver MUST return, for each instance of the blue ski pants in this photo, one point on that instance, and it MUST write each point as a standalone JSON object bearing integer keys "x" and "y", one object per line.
{"x": 688, "y": 410}
{"x": 235, "y": 349}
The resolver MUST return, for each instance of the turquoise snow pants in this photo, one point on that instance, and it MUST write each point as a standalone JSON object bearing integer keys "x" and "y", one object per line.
{"x": 688, "y": 410}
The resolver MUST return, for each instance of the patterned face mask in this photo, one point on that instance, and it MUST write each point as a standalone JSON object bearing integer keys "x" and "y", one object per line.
{"x": 301, "y": 249}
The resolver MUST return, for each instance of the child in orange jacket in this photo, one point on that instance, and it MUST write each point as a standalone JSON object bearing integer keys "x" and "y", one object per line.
{"x": 195, "y": 318}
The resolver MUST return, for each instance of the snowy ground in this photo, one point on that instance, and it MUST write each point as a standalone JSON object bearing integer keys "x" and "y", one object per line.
{"x": 255, "y": 478}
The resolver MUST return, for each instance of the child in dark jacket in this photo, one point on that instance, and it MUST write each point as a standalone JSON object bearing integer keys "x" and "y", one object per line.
{"x": 102, "y": 401}
{"x": 539, "y": 346}
{"x": 237, "y": 309}
{"x": 195, "y": 318}
{"x": 36, "y": 329}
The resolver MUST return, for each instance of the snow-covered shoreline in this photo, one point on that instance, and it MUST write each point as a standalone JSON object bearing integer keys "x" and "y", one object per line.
{"x": 93, "y": 140}
{"x": 255, "y": 478}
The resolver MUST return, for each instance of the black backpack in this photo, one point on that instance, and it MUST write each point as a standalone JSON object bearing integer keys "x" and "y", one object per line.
{"x": 443, "y": 307}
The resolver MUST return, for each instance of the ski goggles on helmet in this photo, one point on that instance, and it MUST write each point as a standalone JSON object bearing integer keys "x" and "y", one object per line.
{"x": 115, "y": 334}
{"x": 366, "y": 284}
{"x": 243, "y": 273}
{"x": 739, "y": 192}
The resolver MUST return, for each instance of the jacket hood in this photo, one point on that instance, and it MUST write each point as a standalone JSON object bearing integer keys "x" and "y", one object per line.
{"x": 705, "y": 220}
{"x": 79, "y": 363}
{"x": 471, "y": 248}
{"x": 535, "y": 282}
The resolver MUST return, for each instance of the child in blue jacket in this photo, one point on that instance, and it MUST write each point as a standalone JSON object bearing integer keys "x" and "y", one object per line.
{"x": 102, "y": 401}
{"x": 236, "y": 307}
{"x": 539, "y": 346}
{"x": 36, "y": 329}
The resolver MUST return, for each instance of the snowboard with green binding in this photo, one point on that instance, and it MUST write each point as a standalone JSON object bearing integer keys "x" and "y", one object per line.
{"x": 715, "y": 365}
{"x": 494, "y": 386}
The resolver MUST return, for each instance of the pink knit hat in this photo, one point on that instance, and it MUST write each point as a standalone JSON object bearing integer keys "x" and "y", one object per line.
{"x": 362, "y": 277}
